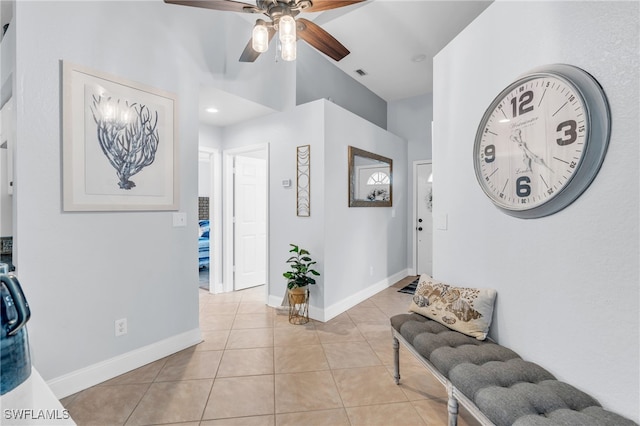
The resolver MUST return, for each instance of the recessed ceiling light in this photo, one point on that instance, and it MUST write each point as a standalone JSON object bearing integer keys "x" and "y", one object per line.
{"x": 212, "y": 110}
{"x": 419, "y": 58}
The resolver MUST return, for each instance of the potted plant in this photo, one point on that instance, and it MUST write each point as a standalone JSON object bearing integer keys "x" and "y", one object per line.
{"x": 299, "y": 277}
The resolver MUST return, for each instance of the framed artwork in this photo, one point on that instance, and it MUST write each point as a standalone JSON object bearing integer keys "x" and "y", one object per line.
{"x": 120, "y": 146}
{"x": 303, "y": 206}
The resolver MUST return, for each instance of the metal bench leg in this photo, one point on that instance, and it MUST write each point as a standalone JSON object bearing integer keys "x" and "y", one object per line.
{"x": 452, "y": 407}
{"x": 396, "y": 360}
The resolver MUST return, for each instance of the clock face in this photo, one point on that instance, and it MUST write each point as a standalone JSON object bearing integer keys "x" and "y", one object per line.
{"x": 532, "y": 143}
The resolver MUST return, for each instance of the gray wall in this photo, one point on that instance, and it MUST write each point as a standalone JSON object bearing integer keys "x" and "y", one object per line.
{"x": 82, "y": 271}
{"x": 317, "y": 78}
{"x": 346, "y": 242}
{"x": 363, "y": 246}
{"x": 284, "y": 132}
{"x": 568, "y": 293}
{"x": 411, "y": 119}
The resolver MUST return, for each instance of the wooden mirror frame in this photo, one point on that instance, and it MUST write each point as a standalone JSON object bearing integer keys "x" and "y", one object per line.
{"x": 359, "y": 202}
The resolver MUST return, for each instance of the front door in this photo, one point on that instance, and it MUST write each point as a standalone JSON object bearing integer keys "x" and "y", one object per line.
{"x": 424, "y": 219}
{"x": 250, "y": 210}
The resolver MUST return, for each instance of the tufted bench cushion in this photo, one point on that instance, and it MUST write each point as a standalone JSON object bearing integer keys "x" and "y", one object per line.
{"x": 505, "y": 388}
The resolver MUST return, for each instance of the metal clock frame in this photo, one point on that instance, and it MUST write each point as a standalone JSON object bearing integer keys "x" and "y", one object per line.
{"x": 598, "y": 117}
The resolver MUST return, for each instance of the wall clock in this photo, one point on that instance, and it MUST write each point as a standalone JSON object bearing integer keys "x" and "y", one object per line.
{"x": 542, "y": 141}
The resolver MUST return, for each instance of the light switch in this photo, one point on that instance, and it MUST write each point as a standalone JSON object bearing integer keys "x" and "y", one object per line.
{"x": 179, "y": 219}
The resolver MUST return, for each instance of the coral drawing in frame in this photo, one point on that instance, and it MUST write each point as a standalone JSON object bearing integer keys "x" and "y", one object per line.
{"x": 119, "y": 143}
{"x": 304, "y": 180}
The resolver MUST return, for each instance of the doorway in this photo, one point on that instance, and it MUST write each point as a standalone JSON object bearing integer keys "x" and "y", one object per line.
{"x": 209, "y": 220}
{"x": 423, "y": 202}
{"x": 245, "y": 201}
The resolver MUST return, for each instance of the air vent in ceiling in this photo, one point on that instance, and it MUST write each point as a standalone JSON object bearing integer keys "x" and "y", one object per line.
{"x": 361, "y": 72}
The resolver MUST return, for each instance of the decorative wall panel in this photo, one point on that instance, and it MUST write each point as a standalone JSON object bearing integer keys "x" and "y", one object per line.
{"x": 303, "y": 181}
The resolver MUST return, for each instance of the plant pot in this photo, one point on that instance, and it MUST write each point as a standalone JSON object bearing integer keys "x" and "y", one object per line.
{"x": 298, "y": 305}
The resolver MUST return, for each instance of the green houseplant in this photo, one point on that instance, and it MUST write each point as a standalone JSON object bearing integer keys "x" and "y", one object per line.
{"x": 301, "y": 263}
{"x": 298, "y": 279}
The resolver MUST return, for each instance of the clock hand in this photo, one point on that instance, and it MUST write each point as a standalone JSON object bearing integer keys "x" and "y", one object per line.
{"x": 540, "y": 161}
{"x": 528, "y": 155}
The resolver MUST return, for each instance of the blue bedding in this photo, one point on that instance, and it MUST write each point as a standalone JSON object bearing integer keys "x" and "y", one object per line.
{"x": 203, "y": 244}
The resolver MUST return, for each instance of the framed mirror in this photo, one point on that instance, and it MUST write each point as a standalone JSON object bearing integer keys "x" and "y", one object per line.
{"x": 370, "y": 179}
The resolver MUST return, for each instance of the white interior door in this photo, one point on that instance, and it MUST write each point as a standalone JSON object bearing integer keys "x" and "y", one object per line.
{"x": 424, "y": 219}
{"x": 250, "y": 210}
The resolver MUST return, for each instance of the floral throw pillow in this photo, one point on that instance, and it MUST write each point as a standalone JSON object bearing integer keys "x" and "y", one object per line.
{"x": 467, "y": 310}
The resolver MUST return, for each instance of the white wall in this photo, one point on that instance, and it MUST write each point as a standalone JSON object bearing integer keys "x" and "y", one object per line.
{"x": 7, "y": 61}
{"x": 411, "y": 119}
{"x": 6, "y": 201}
{"x": 7, "y": 70}
{"x": 364, "y": 246}
{"x": 7, "y": 125}
{"x": 568, "y": 284}
{"x": 302, "y": 125}
{"x": 344, "y": 241}
{"x": 82, "y": 271}
{"x": 209, "y": 138}
{"x": 215, "y": 41}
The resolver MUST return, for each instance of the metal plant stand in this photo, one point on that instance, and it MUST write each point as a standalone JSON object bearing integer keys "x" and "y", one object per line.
{"x": 298, "y": 305}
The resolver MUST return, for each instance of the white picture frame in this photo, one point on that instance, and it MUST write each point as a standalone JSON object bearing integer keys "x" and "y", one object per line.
{"x": 120, "y": 144}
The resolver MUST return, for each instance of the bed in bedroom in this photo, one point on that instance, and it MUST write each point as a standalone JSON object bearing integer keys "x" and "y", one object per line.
{"x": 203, "y": 244}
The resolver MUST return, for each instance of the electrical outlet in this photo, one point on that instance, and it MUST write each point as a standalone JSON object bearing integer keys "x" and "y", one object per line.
{"x": 121, "y": 327}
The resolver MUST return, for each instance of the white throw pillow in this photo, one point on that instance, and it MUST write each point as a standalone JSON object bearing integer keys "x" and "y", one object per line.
{"x": 467, "y": 310}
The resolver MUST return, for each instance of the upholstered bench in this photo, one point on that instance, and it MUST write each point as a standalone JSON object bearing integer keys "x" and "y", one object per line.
{"x": 492, "y": 382}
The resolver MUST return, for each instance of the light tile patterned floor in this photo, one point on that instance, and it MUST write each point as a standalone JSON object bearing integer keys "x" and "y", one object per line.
{"x": 254, "y": 368}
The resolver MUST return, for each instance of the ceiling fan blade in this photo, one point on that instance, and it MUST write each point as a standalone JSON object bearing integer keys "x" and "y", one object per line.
{"x": 250, "y": 55}
{"x": 320, "y": 39}
{"x": 320, "y": 5}
{"x": 225, "y": 5}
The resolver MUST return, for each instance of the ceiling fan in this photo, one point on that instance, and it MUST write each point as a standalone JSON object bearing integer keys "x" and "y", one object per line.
{"x": 282, "y": 15}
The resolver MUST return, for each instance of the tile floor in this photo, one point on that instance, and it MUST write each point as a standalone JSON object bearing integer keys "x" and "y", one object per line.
{"x": 254, "y": 368}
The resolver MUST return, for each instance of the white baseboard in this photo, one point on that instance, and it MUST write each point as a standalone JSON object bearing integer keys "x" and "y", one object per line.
{"x": 359, "y": 297}
{"x": 217, "y": 288}
{"x": 86, "y": 377}
{"x": 336, "y": 309}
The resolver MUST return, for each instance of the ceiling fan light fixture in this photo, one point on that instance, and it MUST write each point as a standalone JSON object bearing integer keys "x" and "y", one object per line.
{"x": 288, "y": 50}
{"x": 287, "y": 29}
{"x": 260, "y": 37}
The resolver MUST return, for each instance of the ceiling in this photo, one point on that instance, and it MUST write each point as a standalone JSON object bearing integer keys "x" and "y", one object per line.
{"x": 392, "y": 41}
{"x": 387, "y": 39}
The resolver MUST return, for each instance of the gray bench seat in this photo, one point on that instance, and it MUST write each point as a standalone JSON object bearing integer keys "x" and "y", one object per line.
{"x": 496, "y": 385}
